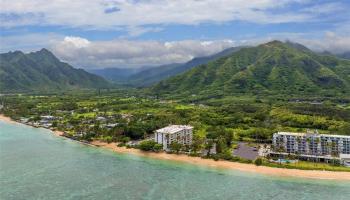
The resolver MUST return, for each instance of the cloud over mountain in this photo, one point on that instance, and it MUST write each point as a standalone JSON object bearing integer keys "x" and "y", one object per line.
{"x": 126, "y": 53}
{"x": 84, "y": 53}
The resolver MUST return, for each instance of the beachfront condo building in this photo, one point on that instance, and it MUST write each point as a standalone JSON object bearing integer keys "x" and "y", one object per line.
{"x": 174, "y": 133}
{"x": 311, "y": 145}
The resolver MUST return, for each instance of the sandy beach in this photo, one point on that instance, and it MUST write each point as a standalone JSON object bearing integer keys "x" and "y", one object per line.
{"x": 313, "y": 174}
{"x": 58, "y": 133}
{"x": 6, "y": 119}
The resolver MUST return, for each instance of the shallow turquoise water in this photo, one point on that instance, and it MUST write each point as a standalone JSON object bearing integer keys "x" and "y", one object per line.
{"x": 37, "y": 165}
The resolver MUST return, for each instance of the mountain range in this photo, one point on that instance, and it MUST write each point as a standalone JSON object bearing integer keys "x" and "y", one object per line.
{"x": 344, "y": 55}
{"x": 146, "y": 76}
{"x": 42, "y": 71}
{"x": 116, "y": 75}
{"x": 274, "y": 67}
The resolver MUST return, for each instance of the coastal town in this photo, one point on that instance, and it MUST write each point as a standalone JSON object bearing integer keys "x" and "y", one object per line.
{"x": 304, "y": 150}
{"x": 175, "y": 100}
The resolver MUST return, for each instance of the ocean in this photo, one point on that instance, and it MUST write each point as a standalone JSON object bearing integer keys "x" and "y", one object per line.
{"x": 35, "y": 164}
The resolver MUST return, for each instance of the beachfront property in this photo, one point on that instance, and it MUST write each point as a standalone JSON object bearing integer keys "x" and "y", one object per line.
{"x": 46, "y": 121}
{"x": 174, "y": 133}
{"x": 312, "y": 145}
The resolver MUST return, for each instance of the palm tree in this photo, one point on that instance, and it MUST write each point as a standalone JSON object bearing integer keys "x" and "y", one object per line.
{"x": 329, "y": 146}
{"x": 209, "y": 144}
{"x": 297, "y": 155}
{"x": 317, "y": 141}
{"x": 280, "y": 150}
{"x": 308, "y": 141}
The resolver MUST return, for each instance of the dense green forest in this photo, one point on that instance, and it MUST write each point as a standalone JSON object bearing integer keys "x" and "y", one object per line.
{"x": 42, "y": 71}
{"x": 272, "y": 68}
{"x": 241, "y": 118}
{"x": 146, "y": 76}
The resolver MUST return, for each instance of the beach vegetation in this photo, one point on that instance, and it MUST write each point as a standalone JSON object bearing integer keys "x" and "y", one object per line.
{"x": 258, "y": 161}
{"x": 124, "y": 116}
{"x": 149, "y": 145}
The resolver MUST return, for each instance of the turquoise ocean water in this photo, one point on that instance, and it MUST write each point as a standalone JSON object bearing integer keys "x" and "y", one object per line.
{"x": 34, "y": 164}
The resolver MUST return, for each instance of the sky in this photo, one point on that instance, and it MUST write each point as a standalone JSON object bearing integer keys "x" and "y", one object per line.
{"x": 95, "y": 34}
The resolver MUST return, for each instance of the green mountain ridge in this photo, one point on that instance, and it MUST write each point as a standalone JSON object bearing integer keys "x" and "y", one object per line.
{"x": 42, "y": 71}
{"x": 147, "y": 76}
{"x": 274, "y": 67}
{"x": 153, "y": 75}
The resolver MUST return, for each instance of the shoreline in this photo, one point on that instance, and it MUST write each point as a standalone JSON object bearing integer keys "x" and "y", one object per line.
{"x": 251, "y": 168}
{"x": 9, "y": 120}
{"x": 222, "y": 164}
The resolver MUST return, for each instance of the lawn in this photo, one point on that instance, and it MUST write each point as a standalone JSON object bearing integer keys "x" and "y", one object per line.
{"x": 308, "y": 166}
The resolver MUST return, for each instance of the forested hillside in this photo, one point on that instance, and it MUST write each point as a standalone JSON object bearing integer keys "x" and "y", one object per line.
{"x": 42, "y": 71}
{"x": 271, "y": 68}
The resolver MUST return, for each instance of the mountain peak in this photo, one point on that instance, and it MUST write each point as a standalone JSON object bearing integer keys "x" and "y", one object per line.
{"x": 14, "y": 53}
{"x": 273, "y": 67}
{"x": 274, "y": 43}
{"x": 42, "y": 71}
{"x": 43, "y": 54}
{"x": 45, "y": 51}
{"x": 294, "y": 45}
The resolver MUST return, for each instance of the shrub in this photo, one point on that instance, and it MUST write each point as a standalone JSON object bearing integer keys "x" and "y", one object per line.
{"x": 120, "y": 144}
{"x": 157, "y": 147}
{"x": 123, "y": 139}
{"x": 147, "y": 145}
{"x": 226, "y": 156}
{"x": 258, "y": 162}
{"x": 175, "y": 147}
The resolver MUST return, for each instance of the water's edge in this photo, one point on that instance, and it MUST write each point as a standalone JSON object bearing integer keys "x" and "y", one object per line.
{"x": 38, "y": 165}
{"x": 226, "y": 165}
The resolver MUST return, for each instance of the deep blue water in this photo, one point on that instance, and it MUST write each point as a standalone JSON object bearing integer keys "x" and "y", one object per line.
{"x": 34, "y": 164}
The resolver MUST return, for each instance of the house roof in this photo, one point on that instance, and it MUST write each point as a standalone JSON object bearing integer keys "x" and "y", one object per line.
{"x": 313, "y": 134}
{"x": 174, "y": 129}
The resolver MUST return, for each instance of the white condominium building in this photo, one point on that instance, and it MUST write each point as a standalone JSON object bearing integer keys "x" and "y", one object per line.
{"x": 314, "y": 144}
{"x": 174, "y": 133}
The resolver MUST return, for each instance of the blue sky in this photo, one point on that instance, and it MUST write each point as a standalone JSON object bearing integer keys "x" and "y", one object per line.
{"x": 132, "y": 33}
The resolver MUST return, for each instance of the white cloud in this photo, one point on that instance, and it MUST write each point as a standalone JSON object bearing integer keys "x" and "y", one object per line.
{"x": 76, "y": 42}
{"x": 331, "y": 42}
{"x": 126, "y": 53}
{"x": 83, "y": 53}
{"x": 318, "y": 42}
{"x": 116, "y": 14}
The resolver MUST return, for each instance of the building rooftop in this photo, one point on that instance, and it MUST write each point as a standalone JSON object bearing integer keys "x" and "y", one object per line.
{"x": 173, "y": 129}
{"x": 47, "y": 116}
{"x": 304, "y": 134}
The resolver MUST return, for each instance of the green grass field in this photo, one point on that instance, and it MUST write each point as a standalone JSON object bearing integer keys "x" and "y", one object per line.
{"x": 308, "y": 166}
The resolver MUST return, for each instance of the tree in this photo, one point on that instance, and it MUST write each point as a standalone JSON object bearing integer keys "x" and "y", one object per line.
{"x": 208, "y": 145}
{"x": 258, "y": 161}
{"x": 318, "y": 141}
{"x": 197, "y": 143}
{"x": 176, "y": 147}
{"x": 147, "y": 145}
